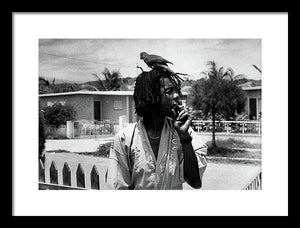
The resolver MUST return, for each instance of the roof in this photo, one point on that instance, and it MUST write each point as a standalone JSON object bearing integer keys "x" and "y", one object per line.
{"x": 251, "y": 88}
{"x": 84, "y": 92}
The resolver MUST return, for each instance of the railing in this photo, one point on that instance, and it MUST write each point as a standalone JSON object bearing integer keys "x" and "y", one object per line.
{"x": 53, "y": 185}
{"x": 239, "y": 127}
{"x": 56, "y": 178}
{"x": 85, "y": 128}
{"x": 82, "y": 128}
{"x": 73, "y": 175}
{"x": 53, "y": 130}
{"x": 255, "y": 183}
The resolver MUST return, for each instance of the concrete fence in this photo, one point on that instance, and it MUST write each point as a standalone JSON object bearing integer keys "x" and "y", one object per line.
{"x": 69, "y": 171}
{"x": 80, "y": 172}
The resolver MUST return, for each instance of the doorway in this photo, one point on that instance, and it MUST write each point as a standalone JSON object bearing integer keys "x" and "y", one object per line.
{"x": 253, "y": 108}
{"x": 97, "y": 110}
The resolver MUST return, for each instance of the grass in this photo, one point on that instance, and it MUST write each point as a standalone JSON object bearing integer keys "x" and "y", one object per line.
{"x": 102, "y": 151}
{"x": 234, "y": 149}
{"x": 233, "y": 153}
{"x": 233, "y": 143}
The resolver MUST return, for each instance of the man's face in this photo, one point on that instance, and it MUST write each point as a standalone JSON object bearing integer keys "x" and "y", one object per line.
{"x": 169, "y": 98}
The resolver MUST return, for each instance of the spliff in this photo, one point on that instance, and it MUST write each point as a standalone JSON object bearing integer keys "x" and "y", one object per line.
{"x": 179, "y": 109}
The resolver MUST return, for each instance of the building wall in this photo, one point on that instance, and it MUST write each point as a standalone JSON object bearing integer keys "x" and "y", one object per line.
{"x": 82, "y": 104}
{"x": 126, "y": 102}
{"x": 111, "y": 106}
{"x": 253, "y": 93}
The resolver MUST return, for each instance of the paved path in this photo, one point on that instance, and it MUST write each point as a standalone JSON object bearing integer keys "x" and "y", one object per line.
{"x": 220, "y": 176}
{"x": 76, "y": 145}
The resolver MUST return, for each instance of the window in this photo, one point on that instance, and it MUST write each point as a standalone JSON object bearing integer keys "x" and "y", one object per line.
{"x": 118, "y": 105}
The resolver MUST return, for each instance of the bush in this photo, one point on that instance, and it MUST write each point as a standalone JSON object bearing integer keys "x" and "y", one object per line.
{"x": 42, "y": 138}
{"x": 242, "y": 116}
{"x": 56, "y": 136}
{"x": 102, "y": 151}
{"x": 58, "y": 114}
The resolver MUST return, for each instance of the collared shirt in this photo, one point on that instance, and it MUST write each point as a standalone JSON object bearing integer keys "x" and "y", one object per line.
{"x": 136, "y": 166}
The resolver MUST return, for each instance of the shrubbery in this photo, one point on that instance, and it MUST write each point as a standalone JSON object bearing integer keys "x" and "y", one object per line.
{"x": 58, "y": 114}
{"x": 42, "y": 137}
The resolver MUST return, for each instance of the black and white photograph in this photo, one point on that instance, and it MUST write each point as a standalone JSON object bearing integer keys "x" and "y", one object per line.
{"x": 120, "y": 108}
{"x": 93, "y": 92}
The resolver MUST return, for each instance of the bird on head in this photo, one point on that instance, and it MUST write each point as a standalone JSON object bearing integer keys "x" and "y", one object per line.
{"x": 154, "y": 60}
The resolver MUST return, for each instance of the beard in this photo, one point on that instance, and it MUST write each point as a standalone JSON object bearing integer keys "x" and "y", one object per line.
{"x": 171, "y": 112}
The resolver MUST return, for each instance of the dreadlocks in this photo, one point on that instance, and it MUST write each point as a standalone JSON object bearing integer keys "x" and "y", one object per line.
{"x": 147, "y": 89}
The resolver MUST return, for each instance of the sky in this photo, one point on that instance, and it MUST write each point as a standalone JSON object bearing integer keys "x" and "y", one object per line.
{"x": 79, "y": 59}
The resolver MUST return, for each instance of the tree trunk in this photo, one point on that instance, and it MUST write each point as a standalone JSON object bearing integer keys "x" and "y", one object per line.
{"x": 214, "y": 145}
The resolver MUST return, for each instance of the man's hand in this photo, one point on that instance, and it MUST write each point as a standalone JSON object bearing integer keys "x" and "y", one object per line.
{"x": 190, "y": 162}
{"x": 182, "y": 123}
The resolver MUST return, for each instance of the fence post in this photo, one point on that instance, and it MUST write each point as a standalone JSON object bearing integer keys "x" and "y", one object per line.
{"x": 70, "y": 129}
{"x": 66, "y": 175}
{"x": 122, "y": 120}
{"x": 95, "y": 178}
{"x": 80, "y": 177}
{"x": 41, "y": 171}
{"x": 53, "y": 174}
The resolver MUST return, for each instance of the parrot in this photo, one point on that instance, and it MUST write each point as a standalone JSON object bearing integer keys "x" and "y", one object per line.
{"x": 154, "y": 60}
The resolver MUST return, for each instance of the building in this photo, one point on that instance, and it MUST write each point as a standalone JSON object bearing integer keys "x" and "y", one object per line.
{"x": 110, "y": 105}
{"x": 253, "y": 102}
{"x": 96, "y": 105}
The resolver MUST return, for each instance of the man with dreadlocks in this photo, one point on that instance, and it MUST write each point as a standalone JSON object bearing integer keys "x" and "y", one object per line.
{"x": 160, "y": 150}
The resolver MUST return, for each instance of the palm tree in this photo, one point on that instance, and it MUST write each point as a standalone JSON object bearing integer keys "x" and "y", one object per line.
{"x": 220, "y": 74}
{"x": 44, "y": 86}
{"x": 216, "y": 88}
{"x": 112, "y": 80}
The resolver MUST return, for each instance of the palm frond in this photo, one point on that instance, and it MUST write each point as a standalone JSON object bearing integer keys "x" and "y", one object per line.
{"x": 256, "y": 68}
{"x": 211, "y": 63}
{"x": 230, "y": 71}
{"x": 221, "y": 72}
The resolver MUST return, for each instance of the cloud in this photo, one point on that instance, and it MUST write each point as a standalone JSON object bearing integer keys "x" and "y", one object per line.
{"x": 188, "y": 55}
